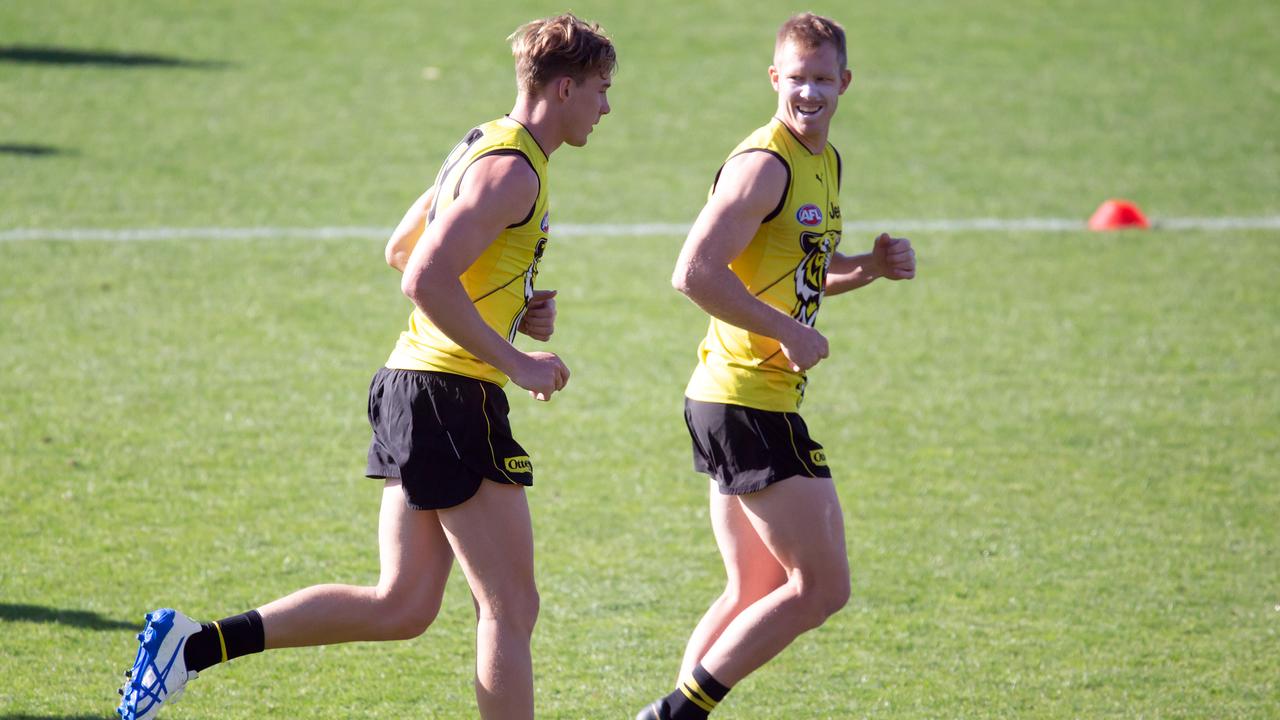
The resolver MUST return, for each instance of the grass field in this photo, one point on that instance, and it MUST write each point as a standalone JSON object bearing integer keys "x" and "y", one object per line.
{"x": 1058, "y": 453}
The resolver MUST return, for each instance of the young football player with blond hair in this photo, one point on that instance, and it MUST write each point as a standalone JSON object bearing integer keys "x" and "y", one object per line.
{"x": 454, "y": 477}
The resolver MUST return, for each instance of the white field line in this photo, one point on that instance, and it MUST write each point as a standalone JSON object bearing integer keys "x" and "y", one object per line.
{"x": 1267, "y": 222}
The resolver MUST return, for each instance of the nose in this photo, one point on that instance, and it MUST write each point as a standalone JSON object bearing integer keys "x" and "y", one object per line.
{"x": 604, "y": 108}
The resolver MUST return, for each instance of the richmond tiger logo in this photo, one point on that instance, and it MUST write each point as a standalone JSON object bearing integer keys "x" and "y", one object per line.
{"x": 530, "y": 274}
{"x": 811, "y": 273}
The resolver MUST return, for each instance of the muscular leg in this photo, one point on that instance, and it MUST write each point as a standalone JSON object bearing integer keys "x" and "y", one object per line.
{"x": 751, "y": 569}
{"x": 415, "y": 559}
{"x": 492, "y": 537}
{"x": 800, "y": 522}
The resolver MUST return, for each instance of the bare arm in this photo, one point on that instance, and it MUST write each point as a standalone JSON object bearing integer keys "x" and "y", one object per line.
{"x": 891, "y": 258}
{"x": 406, "y": 235}
{"x": 495, "y": 192}
{"x": 540, "y": 317}
{"x": 748, "y": 190}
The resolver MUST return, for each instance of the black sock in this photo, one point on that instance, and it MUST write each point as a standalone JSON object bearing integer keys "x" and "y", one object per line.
{"x": 696, "y": 696}
{"x": 226, "y": 639}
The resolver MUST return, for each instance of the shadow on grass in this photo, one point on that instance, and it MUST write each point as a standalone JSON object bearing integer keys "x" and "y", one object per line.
{"x": 43, "y": 55}
{"x": 76, "y": 618}
{"x": 31, "y": 150}
{"x": 58, "y": 717}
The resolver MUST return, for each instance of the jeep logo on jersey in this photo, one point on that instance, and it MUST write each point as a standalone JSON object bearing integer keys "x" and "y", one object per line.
{"x": 809, "y": 215}
{"x": 546, "y": 221}
{"x": 518, "y": 464}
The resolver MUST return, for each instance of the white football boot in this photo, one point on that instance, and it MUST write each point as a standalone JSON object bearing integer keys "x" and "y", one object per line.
{"x": 159, "y": 671}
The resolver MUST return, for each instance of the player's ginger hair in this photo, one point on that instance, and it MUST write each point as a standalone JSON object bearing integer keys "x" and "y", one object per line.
{"x": 811, "y": 31}
{"x": 553, "y": 47}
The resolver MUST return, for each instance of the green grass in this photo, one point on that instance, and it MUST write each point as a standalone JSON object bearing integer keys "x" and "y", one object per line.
{"x": 1057, "y": 453}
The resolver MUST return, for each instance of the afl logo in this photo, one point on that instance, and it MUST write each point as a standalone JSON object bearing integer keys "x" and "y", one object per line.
{"x": 546, "y": 221}
{"x": 809, "y": 215}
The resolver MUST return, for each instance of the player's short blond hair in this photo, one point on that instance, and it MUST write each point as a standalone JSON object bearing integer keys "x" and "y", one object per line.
{"x": 810, "y": 31}
{"x": 557, "y": 46}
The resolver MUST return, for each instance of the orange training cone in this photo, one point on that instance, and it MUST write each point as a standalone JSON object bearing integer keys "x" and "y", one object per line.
{"x": 1118, "y": 215}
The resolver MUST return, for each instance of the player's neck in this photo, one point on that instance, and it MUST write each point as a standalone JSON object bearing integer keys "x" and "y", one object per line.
{"x": 815, "y": 142}
{"x": 535, "y": 118}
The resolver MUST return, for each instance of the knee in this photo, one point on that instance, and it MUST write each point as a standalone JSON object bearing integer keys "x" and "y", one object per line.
{"x": 822, "y": 596}
{"x": 403, "y": 616}
{"x": 514, "y": 610}
{"x": 837, "y": 596}
{"x": 524, "y": 611}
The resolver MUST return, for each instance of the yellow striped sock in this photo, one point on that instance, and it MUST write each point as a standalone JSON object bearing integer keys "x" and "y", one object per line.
{"x": 696, "y": 695}
{"x": 222, "y": 642}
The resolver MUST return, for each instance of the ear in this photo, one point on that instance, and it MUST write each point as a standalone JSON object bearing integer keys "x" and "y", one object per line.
{"x": 773, "y": 77}
{"x": 564, "y": 88}
{"x": 846, "y": 77}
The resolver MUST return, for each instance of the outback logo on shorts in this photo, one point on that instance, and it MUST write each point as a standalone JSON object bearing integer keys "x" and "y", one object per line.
{"x": 809, "y": 215}
{"x": 519, "y": 464}
{"x": 546, "y": 221}
{"x": 819, "y": 457}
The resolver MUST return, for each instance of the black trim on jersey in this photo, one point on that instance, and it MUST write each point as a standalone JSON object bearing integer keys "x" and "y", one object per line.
{"x": 782, "y": 277}
{"x": 517, "y": 277}
{"x": 786, "y": 191}
{"x": 772, "y": 355}
{"x": 797, "y": 138}
{"x": 545, "y": 156}
{"x": 505, "y": 151}
{"x": 468, "y": 141}
{"x": 839, "y": 167}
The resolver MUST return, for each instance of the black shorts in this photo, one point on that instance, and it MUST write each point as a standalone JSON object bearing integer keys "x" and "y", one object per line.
{"x": 747, "y": 450}
{"x": 442, "y": 435}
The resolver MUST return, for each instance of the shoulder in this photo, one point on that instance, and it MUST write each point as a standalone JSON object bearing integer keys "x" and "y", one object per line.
{"x": 766, "y": 151}
{"x": 509, "y": 170}
{"x": 504, "y": 183}
{"x": 758, "y": 165}
{"x": 752, "y": 184}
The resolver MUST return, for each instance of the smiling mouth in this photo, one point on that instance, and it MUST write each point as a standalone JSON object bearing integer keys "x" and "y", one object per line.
{"x": 807, "y": 111}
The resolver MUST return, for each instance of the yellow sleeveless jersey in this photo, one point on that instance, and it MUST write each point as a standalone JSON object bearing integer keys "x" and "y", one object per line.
{"x": 785, "y": 265}
{"x": 500, "y": 281}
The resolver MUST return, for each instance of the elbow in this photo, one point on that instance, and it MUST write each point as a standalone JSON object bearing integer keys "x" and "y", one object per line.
{"x": 427, "y": 283}
{"x": 396, "y": 252}
{"x": 411, "y": 285}
{"x": 693, "y": 281}
{"x": 682, "y": 279}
